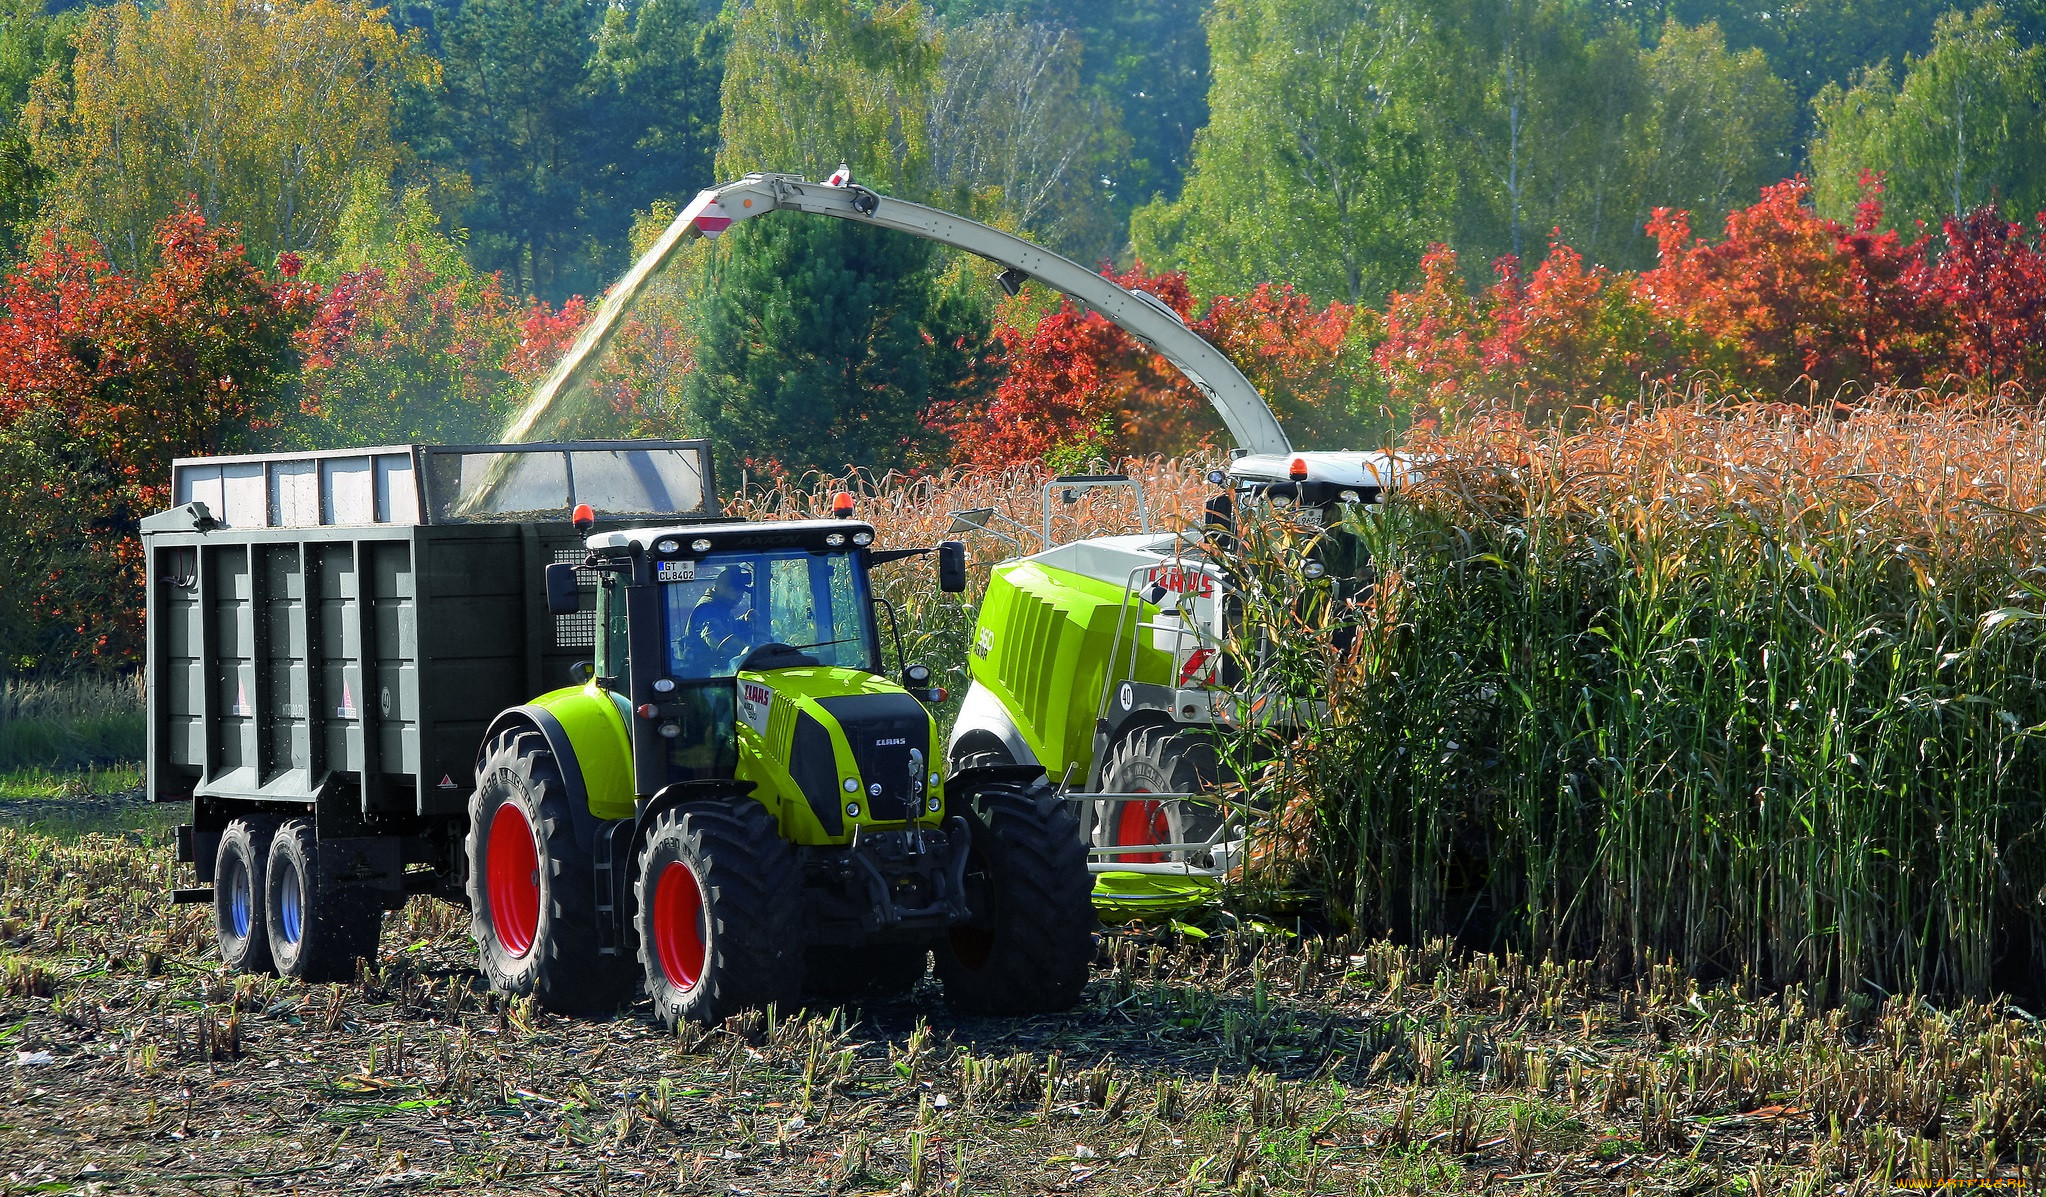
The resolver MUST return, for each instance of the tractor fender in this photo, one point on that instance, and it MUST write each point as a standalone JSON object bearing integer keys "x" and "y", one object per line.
{"x": 585, "y": 729}
{"x": 541, "y": 720}
{"x": 985, "y": 725}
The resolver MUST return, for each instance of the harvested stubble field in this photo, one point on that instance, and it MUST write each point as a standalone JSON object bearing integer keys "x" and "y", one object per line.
{"x": 1247, "y": 1062}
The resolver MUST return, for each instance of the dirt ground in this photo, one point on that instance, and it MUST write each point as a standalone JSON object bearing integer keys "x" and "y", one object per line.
{"x": 1249, "y": 1061}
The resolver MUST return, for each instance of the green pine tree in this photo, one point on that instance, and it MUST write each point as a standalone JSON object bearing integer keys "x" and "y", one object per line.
{"x": 820, "y": 346}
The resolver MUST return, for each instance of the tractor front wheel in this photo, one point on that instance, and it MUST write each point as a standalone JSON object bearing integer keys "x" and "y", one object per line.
{"x": 719, "y": 912}
{"x": 1030, "y": 943}
{"x": 532, "y": 890}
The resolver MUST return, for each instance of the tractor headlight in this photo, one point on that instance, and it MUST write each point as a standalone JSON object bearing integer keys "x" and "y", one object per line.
{"x": 670, "y": 730}
{"x": 835, "y": 539}
{"x": 1351, "y": 496}
{"x": 931, "y": 805}
{"x": 852, "y": 810}
{"x": 852, "y": 785}
{"x": 1313, "y": 570}
{"x": 874, "y": 791}
{"x": 934, "y": 777}
{"x": 668, "y": 546}
{"x": 700, "y": 545}
{"x": 863, "y": 538}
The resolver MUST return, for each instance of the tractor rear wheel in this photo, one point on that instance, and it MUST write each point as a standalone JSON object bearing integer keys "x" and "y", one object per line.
{"x": 719, "y": 912}
{"x": 1031, "y": 940}
{"x": 238, "y": 895}
{"x": 532, "y": 890}
{"x": 1158, "y": 760}
{"x": 317, "y": 931}
{"x": 882, "y": 970}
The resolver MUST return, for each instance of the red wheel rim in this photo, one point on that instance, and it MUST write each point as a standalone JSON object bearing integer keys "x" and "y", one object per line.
{"x": 1143, "y": 822}
{"x": 511, "y": 874}
{"x": 678, "y": 926}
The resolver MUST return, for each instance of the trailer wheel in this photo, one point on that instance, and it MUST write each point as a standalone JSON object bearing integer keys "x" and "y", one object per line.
{"x": 238, "y": 895}
{"x": 843, "y": 974}
{"x": 317, "y": 931}
{"x": 532, "y": 890}
{"x": 1158, "y": 760}
{"x": 719, "y": 912}
{"x": 1031, "y": 941}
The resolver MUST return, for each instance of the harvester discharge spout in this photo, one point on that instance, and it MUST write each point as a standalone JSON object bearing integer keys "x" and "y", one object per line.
{"x": 1250, "y": 421}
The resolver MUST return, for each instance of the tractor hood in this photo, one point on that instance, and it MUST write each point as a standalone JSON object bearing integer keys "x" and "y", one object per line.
{"x": 855, "y": 746}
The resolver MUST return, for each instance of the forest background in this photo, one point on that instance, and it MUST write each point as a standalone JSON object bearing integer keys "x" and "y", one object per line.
{"x": 237, "y": 227}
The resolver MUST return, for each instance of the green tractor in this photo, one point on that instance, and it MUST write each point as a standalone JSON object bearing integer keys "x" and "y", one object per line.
{"x": 739, "y": 796}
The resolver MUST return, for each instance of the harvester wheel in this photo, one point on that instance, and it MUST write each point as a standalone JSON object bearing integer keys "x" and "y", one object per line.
{"x": 719, "y": 912}
{"x": 317, "y": 931}
{"x": 843, "y": 974}
{"x": 1028, "y": 949}
{"x": 1158, "y": 760}
{"x": 238, "y": 895}
{"x": 532, "y": 890}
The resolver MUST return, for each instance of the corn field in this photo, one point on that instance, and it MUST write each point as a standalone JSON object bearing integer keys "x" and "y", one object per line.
{"x": 1751, "y": 690}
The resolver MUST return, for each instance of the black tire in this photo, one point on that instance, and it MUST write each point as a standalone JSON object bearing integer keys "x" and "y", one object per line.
{"x": 848, "y": 974}
{"x": 1159, "y": 760}
{"x": 238, "y": 895}
{"x": 718, "y": 908}
{"x": 532, "y": 889}
{"x": 317, "y": 931}
{"x": 1029, "y": 946}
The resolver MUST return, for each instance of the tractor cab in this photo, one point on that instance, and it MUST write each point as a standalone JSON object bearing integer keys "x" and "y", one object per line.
{"x": 751, "y": 653}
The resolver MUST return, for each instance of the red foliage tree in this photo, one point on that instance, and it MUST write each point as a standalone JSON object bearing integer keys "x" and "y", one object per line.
{"x": 1991, "y": 283}
{"x": 1569, "y": 334}
{"x": 104, "y": 378}
{"x": 1075, "y": 386}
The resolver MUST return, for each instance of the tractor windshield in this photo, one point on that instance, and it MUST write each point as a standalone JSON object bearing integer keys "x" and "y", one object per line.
{"x": 736, "y": 601}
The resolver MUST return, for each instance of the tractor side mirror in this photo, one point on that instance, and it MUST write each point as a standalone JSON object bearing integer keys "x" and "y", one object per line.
{"x": 917, "y": 680}
{"x": 952, "y": 566}
{"x": 564, "y": 597}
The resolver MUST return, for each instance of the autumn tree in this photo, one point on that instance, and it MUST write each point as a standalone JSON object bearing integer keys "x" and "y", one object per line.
{"x": 1076, "y": 388}
{"x": 409, "y": 343}
{"x": 106, "y": 376}
{"x": 258, "y": 113}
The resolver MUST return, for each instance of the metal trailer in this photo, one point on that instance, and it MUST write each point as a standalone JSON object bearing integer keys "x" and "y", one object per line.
{"x": 330, "y": 634}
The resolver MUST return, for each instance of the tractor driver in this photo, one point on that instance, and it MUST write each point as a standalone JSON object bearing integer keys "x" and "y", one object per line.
{"x": 721, "y": 626}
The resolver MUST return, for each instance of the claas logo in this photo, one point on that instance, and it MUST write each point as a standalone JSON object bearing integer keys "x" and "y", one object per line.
{"x": 1178, "y": 579}
{"x": 756, "y": 693}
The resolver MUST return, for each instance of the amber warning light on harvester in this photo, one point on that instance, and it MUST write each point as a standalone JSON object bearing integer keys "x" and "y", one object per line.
{"x": 842, "y": 505}
{"x": 584, "y": 517}
{"x": 713, "y": 219}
